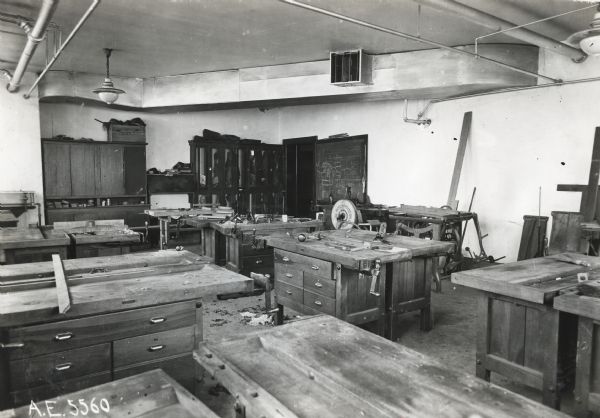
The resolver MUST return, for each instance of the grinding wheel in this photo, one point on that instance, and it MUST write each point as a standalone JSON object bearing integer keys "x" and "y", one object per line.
{"x": 344, "y": 214}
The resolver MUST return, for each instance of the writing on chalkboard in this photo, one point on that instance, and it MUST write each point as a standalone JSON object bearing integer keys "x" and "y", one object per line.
{"x": 341, "y": 165}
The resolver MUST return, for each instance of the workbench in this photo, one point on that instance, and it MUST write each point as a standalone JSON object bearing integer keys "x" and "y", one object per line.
{"x": 520, "y": 334}
{"x": 128, "y": 314}
{"x": 25, "y": 245}
{"x": 587, "y": 384}
{"x": 337, "y": 275}
{"x": 164, "y": 216}
{"x": 324, "y": 367}
{"x": 149, "y": 394}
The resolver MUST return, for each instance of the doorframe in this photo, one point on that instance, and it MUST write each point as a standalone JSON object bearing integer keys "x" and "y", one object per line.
{"x": 298, "y": 141}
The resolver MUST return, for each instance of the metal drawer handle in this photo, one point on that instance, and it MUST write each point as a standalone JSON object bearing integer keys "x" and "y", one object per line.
{"x": 6, "y": 346}
{"x": 288, "y": 292}
{"x": 63, "y": 336}
{"x": 156, "y": 347}
{"x": 314, "y": 267}
{"x": 318, "y": 284}
{"x": 285, "y": 259}
{"x": 318, "y": 303}
{"x": 63, "y": 367}
{"x": 259, "y": 261}
{"x": 289, "y": 275}
{"x": 157, "y": 319}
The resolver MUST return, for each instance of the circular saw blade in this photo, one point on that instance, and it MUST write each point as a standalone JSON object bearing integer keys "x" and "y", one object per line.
{"x": 344, "y": 214}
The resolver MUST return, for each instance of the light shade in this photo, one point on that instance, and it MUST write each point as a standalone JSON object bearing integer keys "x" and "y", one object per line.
{"x": 590, "y": 45}
{"x": 107, "y": 92}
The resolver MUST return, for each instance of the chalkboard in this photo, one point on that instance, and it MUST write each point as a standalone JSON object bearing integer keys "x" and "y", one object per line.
{"x": 341, "y": 163}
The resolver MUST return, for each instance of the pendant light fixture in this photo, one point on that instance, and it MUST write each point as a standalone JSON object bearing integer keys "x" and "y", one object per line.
{"x": 107, "y": 91}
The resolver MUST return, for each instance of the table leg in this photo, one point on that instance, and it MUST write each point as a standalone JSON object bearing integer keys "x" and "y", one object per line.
{"x": 483, "y": 337}
{"x": 164, "y": 232}
{"x": 279, "y": 315}
{"x": 584, "y": 364}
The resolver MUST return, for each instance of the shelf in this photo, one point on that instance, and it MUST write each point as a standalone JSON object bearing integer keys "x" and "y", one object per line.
{"x": 104, "y": 207}
{"x": 123, "y": 196}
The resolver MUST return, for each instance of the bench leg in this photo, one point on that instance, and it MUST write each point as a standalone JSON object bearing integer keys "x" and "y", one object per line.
{"x": 426, "y": 319}
{"x": 279, "y": 315}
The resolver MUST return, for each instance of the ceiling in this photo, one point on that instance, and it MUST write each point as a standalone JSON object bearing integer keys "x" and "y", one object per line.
{"x": 170, "y": 37}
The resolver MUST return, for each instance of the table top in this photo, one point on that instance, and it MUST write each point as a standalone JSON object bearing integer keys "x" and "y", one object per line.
{"x": 428, "y": 212}
{"x": 15, "y": 237}
{"x": 103, "y": 292}
{"x": 324, "y": 367}
{"x": 149, "y": 394}
{"x": 535, "y": 280}
{"x": 227, "y": 228}
{"x": 347, "y": 247}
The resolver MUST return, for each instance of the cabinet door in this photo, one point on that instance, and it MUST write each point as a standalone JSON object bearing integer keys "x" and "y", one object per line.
{"x": 135, "y": 170}
{"x": 57, "y": 169}
{"x": 83, "y": 177}
{"x": 109, "y": 170}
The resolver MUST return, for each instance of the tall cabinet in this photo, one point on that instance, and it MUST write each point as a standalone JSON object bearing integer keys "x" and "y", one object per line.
{"x": 94, "y": 180}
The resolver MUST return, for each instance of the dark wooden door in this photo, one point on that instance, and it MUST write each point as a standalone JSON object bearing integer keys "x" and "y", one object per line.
{"x": 83, "y": 176}
{"x": 109, "y": 170}
{"x": 135, "y": 170}
{"x": 57, "y": 169}
{"x": 300, "y": 179}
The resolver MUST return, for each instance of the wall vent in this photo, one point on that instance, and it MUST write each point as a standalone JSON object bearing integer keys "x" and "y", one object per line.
{"x": 350, "y": 68}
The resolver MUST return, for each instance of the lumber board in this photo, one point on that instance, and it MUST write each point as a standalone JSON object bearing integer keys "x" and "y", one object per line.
{"x": 536, "y": 280}
{"x": 36, "y": 305}
{"x": 42, "y": 269}
{"x": 460, "y": 156}
{"x": 578, "y": 304}
{"x": 227, "y": 228}
{"x": 323, "y": 366}
{"x": 62, "y": 290}
{"x": 589, "y": 202}
{"x": 149, "y": 394}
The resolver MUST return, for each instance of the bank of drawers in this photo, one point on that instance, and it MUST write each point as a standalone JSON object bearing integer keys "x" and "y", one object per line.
{"x": 305, "y": 281}
{"x": 77, "y": 353}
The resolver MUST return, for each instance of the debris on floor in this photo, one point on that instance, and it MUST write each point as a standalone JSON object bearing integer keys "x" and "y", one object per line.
{"x": 255, "y": 319}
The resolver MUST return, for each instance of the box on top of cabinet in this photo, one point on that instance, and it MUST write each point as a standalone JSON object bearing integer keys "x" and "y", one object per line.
{"x": 126, "y": 133}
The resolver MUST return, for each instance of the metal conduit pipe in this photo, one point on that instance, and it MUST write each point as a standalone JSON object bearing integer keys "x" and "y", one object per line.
{"x": 34, "y": 37}
{"x": 495, "y": 23}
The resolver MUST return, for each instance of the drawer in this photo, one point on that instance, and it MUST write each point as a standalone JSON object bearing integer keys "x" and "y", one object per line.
{"x": 289, "y": 274}
{"x": 288, "y": 291}
{"x": 259, "y": 270}
{"x": 310, "y": 265}
{"x": 23, "y": 397}
{"x": 182, "y": 368}
{"x": 319, "y": 303}
{"x": 257, "y": 261}
{"x": 66, "y": 335}
{"x": 319, "y": 285}
{"x": 150, "y": 347}
{"x": 57, "y": 367}
{"x": 247, "y": 249}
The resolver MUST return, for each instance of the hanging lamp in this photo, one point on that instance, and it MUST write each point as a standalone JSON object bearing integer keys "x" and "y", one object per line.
{"x": 107, "y": 91}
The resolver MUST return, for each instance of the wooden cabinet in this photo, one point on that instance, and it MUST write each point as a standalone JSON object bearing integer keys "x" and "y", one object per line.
{"x": 134, "y": 163}
{"x": 57, "y": 168}
{"x": 82, "y": 161}
{"x": 110, "y": 170}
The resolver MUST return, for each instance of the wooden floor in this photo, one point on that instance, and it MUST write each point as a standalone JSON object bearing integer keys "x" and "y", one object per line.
{"x": 452, "y": 340}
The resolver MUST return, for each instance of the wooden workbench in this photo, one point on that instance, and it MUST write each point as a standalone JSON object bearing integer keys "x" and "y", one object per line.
{"x": 149, "y": 394}
{"x": 338, "y": 276}
{"x": 587, "y": 383}
{"x": 520, "y": 335}
{"x": 122, "y": 321}
{"x": 323, "y": 367}
{"x": 25, "y": 245}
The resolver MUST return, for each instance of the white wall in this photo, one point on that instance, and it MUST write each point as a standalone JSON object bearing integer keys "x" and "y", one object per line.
{"x": 167, "y": 134}
{"x": 20, "y": 150}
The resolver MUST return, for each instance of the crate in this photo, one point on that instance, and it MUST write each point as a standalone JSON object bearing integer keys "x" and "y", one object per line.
{"x": 126, "y": 133}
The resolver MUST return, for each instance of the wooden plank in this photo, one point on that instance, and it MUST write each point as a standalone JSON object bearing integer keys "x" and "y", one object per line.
{"x": 585, "y": 350}
{"x": 460, "y": 156}
{"x": 62, "y": 290}
{"x": 350, "y": 372}
{"x": 589, "y": 205}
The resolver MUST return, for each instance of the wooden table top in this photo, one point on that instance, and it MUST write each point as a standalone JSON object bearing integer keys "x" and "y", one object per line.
{"x": 149, "y": 394}
{"x": 572, "y": 301}
{"x": 404, "y": 248}
{"x": 227, "y": 228}
{"x": 30, "y": 237}
{"x": 324, "y": 367}
{"x": 99, "y": 292}
{"x": 428, "y": 212}
{"x": 535, "y": 280}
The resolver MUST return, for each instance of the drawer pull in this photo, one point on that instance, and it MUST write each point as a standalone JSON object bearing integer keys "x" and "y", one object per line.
{"x": 6, "y": 346}
{"x": 290, "y": 275}
{"x": 259, "y": 261}
{"x": 318, "y": 284}
{"x": 318, "y": 303}
{"x": 288, "y": 292}
{"x": 63, "y": 336}
{"x": 157, "y": 319}
{"x": 285, "y": 259}
{"x": 314, "y": 267}
{"x": 156, "y": 347}
{"x": 63, "y": 367}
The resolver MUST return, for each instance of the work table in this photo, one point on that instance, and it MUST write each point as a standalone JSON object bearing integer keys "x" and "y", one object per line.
{"x": 19, "y": 245}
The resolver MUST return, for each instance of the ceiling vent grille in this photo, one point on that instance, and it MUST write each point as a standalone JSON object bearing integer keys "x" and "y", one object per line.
{"x": 350, "y": 68}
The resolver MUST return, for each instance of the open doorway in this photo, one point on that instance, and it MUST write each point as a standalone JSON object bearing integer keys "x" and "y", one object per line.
{"x": 300, "y": 170}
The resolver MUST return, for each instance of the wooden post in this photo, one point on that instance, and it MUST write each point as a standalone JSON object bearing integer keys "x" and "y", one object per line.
{"x": 460, "y": 156}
